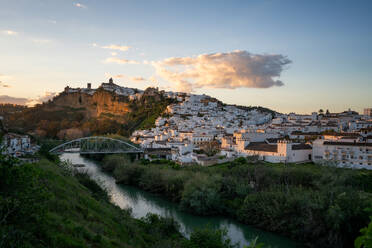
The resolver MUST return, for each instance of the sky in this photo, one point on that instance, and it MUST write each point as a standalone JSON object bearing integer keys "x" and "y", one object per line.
{"x": 290, "y": 56}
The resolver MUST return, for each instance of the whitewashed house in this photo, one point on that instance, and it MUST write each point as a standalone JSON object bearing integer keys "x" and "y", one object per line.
{"x": 345, "y": 154}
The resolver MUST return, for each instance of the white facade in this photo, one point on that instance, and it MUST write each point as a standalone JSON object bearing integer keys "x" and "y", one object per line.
{"x": 368, "y": 111}
{"x": 282, "y": 152}
{"x": 345, "y": 154}
{"x": 18, "y": 145}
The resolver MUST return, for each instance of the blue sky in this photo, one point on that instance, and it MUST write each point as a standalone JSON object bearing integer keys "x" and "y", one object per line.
{"x": 45, "y": 45}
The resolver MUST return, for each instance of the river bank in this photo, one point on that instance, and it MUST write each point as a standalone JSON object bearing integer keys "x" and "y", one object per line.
{"x": 320, "y": 206}
{"x": 142, "y": 202}
{"x": 50, "y": 204}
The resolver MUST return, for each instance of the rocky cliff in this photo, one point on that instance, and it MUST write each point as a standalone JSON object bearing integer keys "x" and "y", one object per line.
{"x": 99, "y": 105}
{"x": 81, "y": 112}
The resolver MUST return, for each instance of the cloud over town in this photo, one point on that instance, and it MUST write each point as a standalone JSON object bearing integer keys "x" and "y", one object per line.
{"x": 223, "y": 70}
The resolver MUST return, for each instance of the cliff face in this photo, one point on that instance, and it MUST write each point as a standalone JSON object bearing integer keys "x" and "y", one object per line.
{"x": 102, "y": 104}
{"x": 91, "y": 112}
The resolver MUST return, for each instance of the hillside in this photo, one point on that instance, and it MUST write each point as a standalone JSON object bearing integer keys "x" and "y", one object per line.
{"x": 50, "y": 205}
{"x": 78, "y": 112}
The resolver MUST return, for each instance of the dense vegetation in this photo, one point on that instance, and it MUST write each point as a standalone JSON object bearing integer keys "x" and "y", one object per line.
{"x": 143, "y": 115}
{"x": 321, "y": 206}
{"x": 48, "y": 204}
{"x": 365, "y": 240}
{"x": 7, "y": 108}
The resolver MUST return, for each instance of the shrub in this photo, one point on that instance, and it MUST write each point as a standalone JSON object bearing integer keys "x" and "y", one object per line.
{"x": 201, "y": 195}
{"x": 209, "y": 238}
{"x": 128, "y": 174}
{"x": 110, "y": 162}
{"x": 98, "y": 191}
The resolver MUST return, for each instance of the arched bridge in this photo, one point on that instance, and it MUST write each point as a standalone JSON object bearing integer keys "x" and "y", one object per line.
{"x": 96, "y": 145}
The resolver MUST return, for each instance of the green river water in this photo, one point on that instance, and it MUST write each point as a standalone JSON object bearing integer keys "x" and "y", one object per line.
{"x": 142, "y": 202}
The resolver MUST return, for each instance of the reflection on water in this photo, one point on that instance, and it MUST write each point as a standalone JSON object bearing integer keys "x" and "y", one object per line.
{"x": 142, "y": 203}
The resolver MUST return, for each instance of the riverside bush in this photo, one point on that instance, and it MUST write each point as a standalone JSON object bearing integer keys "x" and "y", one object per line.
{"x": 41, "y": 205}
{"x": 318, "y": 205}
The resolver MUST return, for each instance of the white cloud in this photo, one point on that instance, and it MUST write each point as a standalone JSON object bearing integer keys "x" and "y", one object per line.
{"x": 223, "y": 70}
{"x": 117, "y": 47}
{"x": 119, "y": 61}
{"x": 79, "y": 5}
{"x": 4, "y": 79}
{"x": 108, "y": 75}
{"x": 138, "y": 79}
{"x": 4, "y": 85}
{"x": 9, "y": 32}
{"x": 40, "y": 99}
{"x": 114, "y": 53}
{"x": 52, "y": 21}
{"x": 13, "y": 100}
{"x": 153, "y": 79}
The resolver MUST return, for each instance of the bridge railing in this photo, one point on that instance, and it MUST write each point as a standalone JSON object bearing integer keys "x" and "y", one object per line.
{"x": 96, "y": 144}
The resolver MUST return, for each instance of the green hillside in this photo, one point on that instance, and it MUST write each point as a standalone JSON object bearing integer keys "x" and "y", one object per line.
{"x": 49, "y": 205}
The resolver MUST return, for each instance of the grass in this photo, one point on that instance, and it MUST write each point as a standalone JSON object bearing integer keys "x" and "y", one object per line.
{"x": 50, "y": 204}
{"x": 73, "y": 211}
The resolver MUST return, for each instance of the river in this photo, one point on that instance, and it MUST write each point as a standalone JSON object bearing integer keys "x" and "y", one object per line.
{"x": 142, "y": 202}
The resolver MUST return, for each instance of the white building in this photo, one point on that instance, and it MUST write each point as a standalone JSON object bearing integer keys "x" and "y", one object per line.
{"x": 17, "y": 145}
{"x": 368, "y": 111}
{"x": 282, "y": 152}
{"x": 344, "y": 154}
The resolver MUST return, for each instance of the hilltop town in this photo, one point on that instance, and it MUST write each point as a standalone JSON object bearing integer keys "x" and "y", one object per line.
{"x": 191, "y": 128}
{"x": 200, "y": 129}
{"x": 197, "y": 123}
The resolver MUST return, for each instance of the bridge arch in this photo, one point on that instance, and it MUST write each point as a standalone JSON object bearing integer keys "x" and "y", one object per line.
{"x": 96, "y": 145}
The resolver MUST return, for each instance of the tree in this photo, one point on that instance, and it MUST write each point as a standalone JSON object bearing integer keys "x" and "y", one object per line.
{"x": 365, "y": 240}
{"x": 211, "y": 148}
{"x": 321, "y": 111}
{"x": 209, "y": 238}
{"x": 254, "y": 244}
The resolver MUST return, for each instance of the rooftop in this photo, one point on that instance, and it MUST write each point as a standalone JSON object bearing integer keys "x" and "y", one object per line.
{"x": 261, "y": 146}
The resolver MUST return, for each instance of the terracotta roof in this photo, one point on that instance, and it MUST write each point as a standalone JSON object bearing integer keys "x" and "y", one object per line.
{"x": 261, "y": 146}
